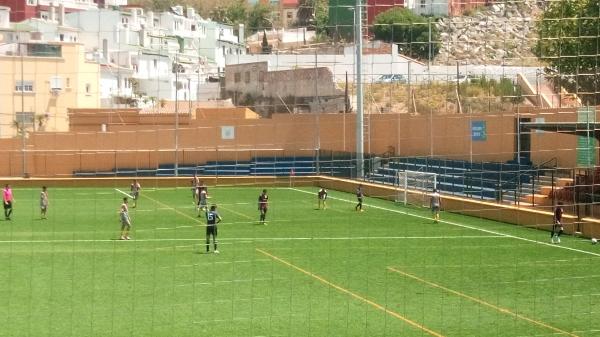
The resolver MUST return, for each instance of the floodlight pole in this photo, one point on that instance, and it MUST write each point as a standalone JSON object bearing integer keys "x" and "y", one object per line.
{"x": 23, "y": 138}
{"x": 359, "y": 91}
{"x": 176, "y": 68}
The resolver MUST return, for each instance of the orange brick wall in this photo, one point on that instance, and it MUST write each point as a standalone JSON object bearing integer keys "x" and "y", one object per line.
{"x": 131, "y": 146}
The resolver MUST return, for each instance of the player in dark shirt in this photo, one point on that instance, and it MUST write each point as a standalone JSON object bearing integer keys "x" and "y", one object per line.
{"x": 359, "y": 197}
{"x": 322, "y": 197}
{"x": 212, "y": 219}
{"x": 263, "y": 205}
{"x": 557, "y": 227}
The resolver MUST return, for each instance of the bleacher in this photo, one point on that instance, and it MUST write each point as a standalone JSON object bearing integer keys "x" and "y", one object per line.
{"x": 258, "y": 166}
{"x": 485, "y": 180}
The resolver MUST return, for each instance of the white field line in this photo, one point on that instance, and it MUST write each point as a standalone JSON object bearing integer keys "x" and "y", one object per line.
{"x": 124, "y": 193}
{"x": 259, "y": 239}
{"x": 461, "y": 225}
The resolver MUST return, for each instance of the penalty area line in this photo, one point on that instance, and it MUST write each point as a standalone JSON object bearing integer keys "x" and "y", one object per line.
{"x": 124, "y": 193}
{"x": 460, "y": 225}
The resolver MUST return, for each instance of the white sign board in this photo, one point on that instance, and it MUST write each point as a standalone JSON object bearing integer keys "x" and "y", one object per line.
{"x": 227, "y": 132}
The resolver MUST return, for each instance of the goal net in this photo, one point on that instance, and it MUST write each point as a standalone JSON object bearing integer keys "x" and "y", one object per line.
{"x": 414, "y": 187}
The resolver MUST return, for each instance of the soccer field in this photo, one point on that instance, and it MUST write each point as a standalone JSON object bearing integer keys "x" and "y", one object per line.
{"x": 388, "y": 271}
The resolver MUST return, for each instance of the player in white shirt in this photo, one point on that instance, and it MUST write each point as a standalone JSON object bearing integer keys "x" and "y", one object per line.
{"x": 435, "y": 203}
{"x": 125, "y": 220}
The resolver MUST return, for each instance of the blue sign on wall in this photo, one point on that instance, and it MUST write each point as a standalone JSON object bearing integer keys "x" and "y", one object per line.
{"x": 478, "y": 131}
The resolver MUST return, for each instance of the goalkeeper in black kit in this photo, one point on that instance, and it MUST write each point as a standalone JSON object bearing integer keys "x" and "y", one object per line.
{"x": 557, "y": 227}
{"x": 322, "y": 198}
{"x": 212, "y": 219}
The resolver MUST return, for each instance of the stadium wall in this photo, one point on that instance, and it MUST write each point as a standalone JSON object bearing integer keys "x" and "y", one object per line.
{"x": 200, "y": 139}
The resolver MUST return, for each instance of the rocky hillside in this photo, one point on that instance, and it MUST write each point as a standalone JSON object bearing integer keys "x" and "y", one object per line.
{"x": 499, "y": 34}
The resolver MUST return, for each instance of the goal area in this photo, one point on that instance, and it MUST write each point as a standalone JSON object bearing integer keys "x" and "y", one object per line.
{"x": 414, "y": 187}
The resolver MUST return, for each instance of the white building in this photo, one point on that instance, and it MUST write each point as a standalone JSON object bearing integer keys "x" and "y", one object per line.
{"x": 428, "y": 7}
{"x": 170, "y": 54}
{"x": 36, "y": 30}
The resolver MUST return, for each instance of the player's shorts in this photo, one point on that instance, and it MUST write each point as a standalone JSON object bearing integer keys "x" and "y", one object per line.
{"x": 263, "y": 209}
{"x": 125, "y": 221}
{"x": 360, "y": 200}
{"x": 135, "y": 195}
{"x": 211, "y": 230}
{"x": 43, "y": 206}
{"x": 557, "y": 228}
{"x": 8, "y": 205}
{"x": 435, "y": 208}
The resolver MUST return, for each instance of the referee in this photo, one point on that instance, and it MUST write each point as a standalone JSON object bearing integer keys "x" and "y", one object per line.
{"x": 212, "y": 219}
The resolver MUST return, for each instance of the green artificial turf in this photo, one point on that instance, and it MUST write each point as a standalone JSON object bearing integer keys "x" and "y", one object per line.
{"x": 388, "y": 271}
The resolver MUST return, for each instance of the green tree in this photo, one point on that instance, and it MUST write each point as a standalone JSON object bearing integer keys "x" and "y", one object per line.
{"x": 259, "y": 18}
{"x": 321, "y": 16}
{"x": 410, "y": 31}
{"x": 569, "y": 42}
{"x": 233, "y": 14}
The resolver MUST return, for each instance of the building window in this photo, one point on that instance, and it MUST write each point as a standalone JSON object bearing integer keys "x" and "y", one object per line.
{"x": 88, "y": 88}
{"x": 44, "y": 50}
{"x": 289, "y": 15}
{"x": 68, "y": 82}
{"x": 155, "y": 63}
{"x": 261, "y": 76}
{"x": 24, "y": 118}
{"x": 193, "y": 28}
{"x": 24, "y": 86}
{"x": 31, "y": 2}
{"x": 61, "y": 37}
{"x": 237, "y": 77}
{"x": 423, "y": 3}
{"x": 247, "y": 77}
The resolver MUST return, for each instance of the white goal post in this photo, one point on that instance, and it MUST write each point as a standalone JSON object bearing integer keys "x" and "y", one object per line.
{"x": 415, "y": 187}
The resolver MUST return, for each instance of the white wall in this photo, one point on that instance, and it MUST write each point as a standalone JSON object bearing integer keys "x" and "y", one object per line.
{"x": 376, "y": 65}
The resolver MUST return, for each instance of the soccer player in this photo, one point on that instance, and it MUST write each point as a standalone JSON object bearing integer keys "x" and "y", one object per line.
{"x": 435, "y": 203}
{"x": 7, "y": 197}
{"x": 195, "y": 188}
{"x": 202, "y": 202}
{"x": 135, "y": 191}
{"x": 322, "y": 197}
{"x": 125, "y": 220}
{"x": 359, "y": 196}
{"x": 202, "y": 186}
{"x": 44, "y": 202}
{"x": 212, "y": 219}
{"x": 557, "y": 227}
{"x": 263, "y": 205}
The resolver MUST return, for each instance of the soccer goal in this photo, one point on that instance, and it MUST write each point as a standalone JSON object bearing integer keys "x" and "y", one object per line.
{"x": 414, "y": 187}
